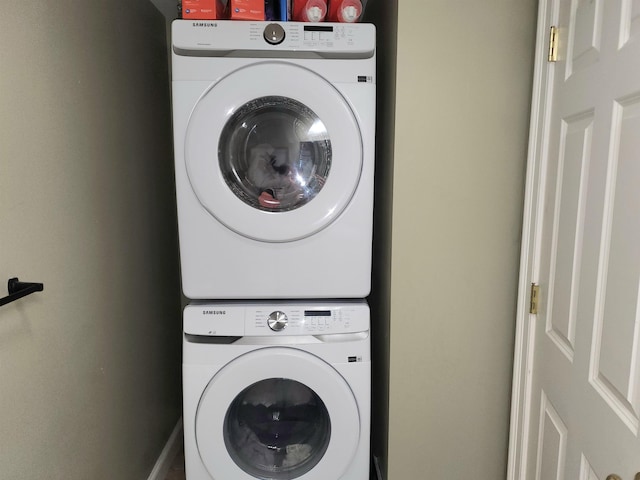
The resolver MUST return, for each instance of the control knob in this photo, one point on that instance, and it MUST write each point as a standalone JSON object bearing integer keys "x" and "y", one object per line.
{"x": 277, "y": 321}
{"x": 274, "y": 34}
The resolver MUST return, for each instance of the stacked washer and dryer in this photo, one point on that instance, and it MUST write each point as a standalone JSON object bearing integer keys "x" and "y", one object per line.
{"x": 274, "y": 153}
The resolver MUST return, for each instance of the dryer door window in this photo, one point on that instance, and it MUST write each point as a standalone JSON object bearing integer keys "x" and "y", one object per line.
{"x": 275, "y": 154}
{"x": 277, "y": 428}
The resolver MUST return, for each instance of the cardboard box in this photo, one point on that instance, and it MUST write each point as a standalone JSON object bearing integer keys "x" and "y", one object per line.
{"x": 246, "y": 10}
{"x": 203, "y": 9}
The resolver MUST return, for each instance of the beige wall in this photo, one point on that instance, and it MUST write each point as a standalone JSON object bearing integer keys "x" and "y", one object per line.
{"x": 89, "y": 368}
{"x": 464, "y": 73}
{"x": 85, "y": 166}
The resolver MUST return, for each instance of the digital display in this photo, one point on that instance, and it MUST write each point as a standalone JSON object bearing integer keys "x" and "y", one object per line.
{"x": 317, "y": 313}
{"x": 318, "y": 28}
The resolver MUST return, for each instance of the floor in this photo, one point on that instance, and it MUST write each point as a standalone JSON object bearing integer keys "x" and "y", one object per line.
{"x": 176, "y": 471}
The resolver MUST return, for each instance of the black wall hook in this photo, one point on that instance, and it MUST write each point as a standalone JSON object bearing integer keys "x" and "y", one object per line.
{"x": 18, "y": 289}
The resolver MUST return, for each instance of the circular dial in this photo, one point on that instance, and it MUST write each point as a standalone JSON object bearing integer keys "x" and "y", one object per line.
{"x": 274, "y": 34}
{"x": 277, "y": 321}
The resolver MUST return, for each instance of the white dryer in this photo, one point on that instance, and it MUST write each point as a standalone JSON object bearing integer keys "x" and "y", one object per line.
{"x": 277, "y": 391}
{"x": 274, "y": 129}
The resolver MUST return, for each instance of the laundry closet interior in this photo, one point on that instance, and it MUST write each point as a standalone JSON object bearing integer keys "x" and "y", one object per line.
{"x": 274, "y": 145}
{"x": 101, "y": 344}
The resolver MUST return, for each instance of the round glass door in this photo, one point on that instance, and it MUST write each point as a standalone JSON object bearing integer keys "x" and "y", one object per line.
{"x": 277, "y": 428}
{"x": 273, "y": 152}
{"x": 277, "y": 413}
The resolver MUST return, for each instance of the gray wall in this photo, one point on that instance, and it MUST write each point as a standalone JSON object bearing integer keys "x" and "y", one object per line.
{"x": 89, "y": 368}
{"x": 464, "y": 73}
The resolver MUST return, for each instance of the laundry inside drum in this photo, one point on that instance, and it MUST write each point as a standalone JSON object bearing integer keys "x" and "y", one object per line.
{"x": 277, "y": 428}
{"x": 275, "y": 154}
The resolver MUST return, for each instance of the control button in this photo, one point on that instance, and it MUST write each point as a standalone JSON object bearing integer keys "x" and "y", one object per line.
{"x": 277, "y": 321}
{"x": 274, "y": 34}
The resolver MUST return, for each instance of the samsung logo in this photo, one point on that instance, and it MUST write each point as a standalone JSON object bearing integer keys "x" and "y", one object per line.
{"x": 214, "y": 312}
{"x": 204, "y": 24}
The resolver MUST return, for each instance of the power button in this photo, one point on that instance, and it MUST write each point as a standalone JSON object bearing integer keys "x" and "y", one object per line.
{"x": 274, "y": 34}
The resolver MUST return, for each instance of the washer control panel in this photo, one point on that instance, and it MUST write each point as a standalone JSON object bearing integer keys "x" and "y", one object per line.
{"x": 269, "y": 319}
{"x": 304, "y": 320}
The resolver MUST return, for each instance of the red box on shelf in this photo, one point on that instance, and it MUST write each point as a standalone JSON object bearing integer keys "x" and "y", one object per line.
{"x": 246, "y": 10}
{"x": 203, "y": 9}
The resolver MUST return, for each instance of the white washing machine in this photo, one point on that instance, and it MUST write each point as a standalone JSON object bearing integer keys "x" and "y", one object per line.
{"x": 277, "y": 391}
{"x": 274, "y": 129}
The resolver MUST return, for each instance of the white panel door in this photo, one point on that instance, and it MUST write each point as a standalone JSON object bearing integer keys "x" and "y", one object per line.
{"x": 576, "y": 411}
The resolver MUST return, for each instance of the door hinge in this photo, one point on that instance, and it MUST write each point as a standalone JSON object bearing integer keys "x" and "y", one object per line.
{"x": 553, "y": 44}
{"x": 535, "y": 296}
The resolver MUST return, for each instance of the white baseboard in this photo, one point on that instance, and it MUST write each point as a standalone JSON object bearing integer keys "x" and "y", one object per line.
{"x": 168, "y": 453}
{"x": 378, "y": 470}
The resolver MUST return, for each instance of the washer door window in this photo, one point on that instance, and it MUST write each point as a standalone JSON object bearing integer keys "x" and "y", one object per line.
{"x": 277, "y": 413}
{"x": 277, "y": 428}
{"x": 274, "y": 152}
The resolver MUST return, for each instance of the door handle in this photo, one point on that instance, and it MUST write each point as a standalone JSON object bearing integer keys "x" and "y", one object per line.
{"x": 18, "y": 289}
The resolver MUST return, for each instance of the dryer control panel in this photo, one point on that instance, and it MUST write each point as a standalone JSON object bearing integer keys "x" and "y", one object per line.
{"x": 226, "y": 38}
{"x": 273, "y": 319}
